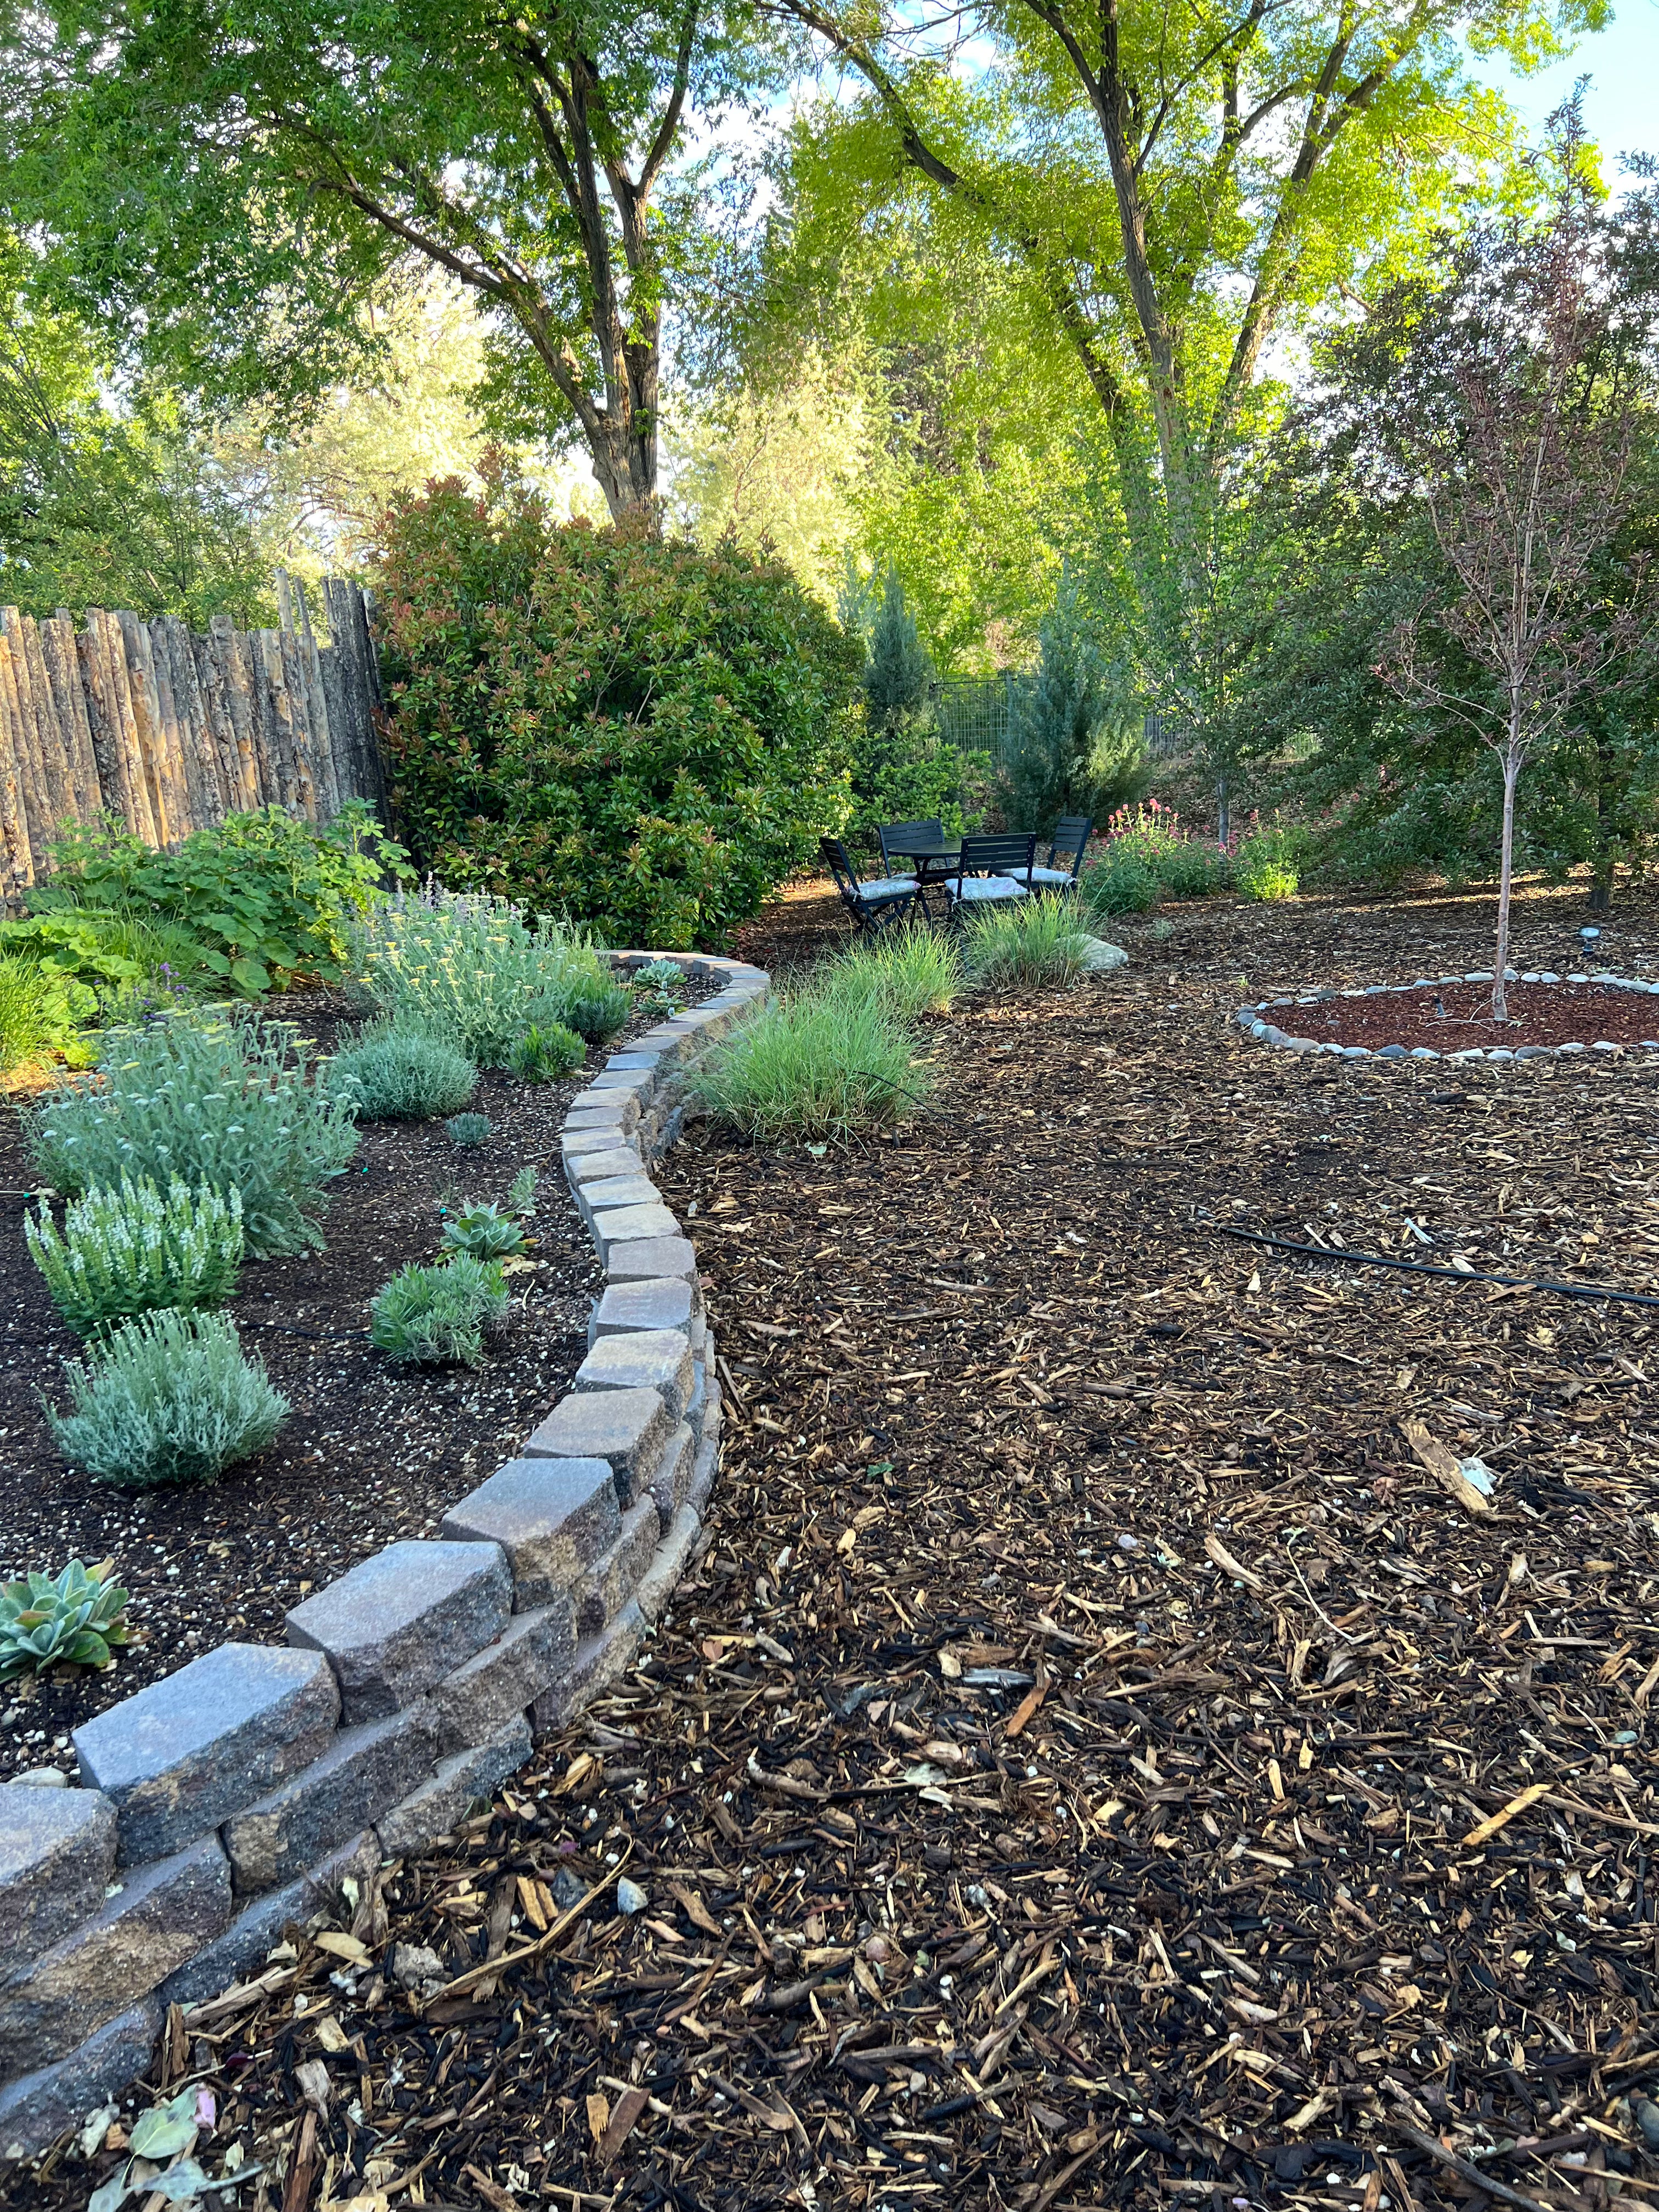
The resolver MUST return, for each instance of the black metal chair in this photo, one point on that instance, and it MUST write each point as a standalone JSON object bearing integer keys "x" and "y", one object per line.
{"x": 893, "y": 835}
{"x": 990, "y": 872}
{"x": 872, "y": 905}
{"x": 1071, "y": 841}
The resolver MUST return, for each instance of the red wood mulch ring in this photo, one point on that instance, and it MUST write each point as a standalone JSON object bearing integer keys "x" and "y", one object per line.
{"x": 1052, "y": 1788}
{"x": 1539, "y": 1013}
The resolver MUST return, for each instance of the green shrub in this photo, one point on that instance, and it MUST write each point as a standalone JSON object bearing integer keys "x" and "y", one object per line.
{"x": 39, "y": 1012}
{"x": 1269, "y": 864}
{"x": 1120, "y": 882}
{"x": 545, "y": 1054}
{"x": 631, "y": 730}
{"x": 248, "y": 903}
{"x": 127, "y": 965}
{"x": 127, "y": 1250}
{"x": 441, "y": 1315}
{"x": 467, "y": 968}
{"x": 72, "y": 1619}
{"x": 817, "y": 1065}
{"x": 595, "y": 1016}
{"x": 1032, "y": 942}
{"x": 468, "y": 1131}
{"x": 1184, "y": 865}
{"x": 169, "y": 1398}
{"x": 214, "y": 1099}
{"x": 396, "y": 1073}
{"x": 909, "y": 971}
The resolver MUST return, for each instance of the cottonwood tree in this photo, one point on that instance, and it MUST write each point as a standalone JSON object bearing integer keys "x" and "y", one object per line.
{"x": 1506, "y": 401}
{"x": 233, "y": 181}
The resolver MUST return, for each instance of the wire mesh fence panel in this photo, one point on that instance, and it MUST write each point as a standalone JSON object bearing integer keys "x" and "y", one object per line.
{"x": 978, "y": 713}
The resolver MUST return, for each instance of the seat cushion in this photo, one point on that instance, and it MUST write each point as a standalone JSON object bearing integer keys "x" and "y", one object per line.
{"x": 890, "y": 887}
{"x": 975, "y": 890}
{"x": 1052, "y": 876}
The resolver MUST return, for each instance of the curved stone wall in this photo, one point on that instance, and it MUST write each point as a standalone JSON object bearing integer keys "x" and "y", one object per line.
{"x": 227, "y": 1800}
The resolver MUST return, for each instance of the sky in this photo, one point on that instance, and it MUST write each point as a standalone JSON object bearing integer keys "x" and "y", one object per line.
{"x": 1621, "y": 106}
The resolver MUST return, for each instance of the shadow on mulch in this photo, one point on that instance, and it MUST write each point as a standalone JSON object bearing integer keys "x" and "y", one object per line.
{"x": 1052, "y": 1786}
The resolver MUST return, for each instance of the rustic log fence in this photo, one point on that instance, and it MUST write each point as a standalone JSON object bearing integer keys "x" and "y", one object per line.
{"x": 166, "y": 732}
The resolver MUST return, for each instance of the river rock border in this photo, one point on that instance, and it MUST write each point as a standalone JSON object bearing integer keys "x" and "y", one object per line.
{"x": 236, "y": 1796}
{"x": 1254, "y": 1021}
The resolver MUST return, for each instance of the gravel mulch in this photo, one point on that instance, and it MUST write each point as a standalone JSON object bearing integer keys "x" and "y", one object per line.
{"x": 1093, "y": 1761}
{"x": 370, "y": 1451}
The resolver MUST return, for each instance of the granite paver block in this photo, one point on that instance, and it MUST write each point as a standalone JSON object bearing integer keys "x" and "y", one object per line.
{"x": 602, "y": 1164}
{"x": 641, "y": 1359}
{"x": 612, "y": 1192}
{"x": 56, "y": 1854}
{"x": 438, "y": 1808}
{"x": 402, "y": 1621}
{"x": 624, "y": 1224}
{"x": 626, "y": 1081}
{"x": 161, "y": 1916}
{"x": 655, "y": 1302}
{"x": 624, "y": 1428}
{"x": 184, "y": 1753}
{"x": 667, "y": 1480}
{"x": 590, "y": 1109}
{"x": 578, "y": 1144}
{"x": 246, "y": 1945}
{"x": 365, "y": 1769}
{"x": 633, "y": 1259}
{"x": 480, "y": 1698}
{"x": 612, "y": 1580}
{"x": 40, "y": 2107}
{"x": 661, "y": 1579}
{"x": 552, "y": 1517}
{"x": 601, "y": 1660}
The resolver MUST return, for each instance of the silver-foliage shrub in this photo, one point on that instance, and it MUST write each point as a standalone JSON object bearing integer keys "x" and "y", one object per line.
{"x": 169, "y": 1398}
{"x": 129, "y": 1250}
{"x": 441, "y": 1315}
{"x": 397, "y": 1073}
{"x": 218, "y": 1099}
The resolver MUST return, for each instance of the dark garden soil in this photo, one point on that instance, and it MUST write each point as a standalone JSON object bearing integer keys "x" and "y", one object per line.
{"x": 370, "y": 1451}
{"x": 1093, "y": 1762}
{"x": 1453, "y": 1016}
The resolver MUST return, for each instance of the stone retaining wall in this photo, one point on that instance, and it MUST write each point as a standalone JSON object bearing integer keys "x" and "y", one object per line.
{"x": 1255, "y": 1021}
{"x": 234, "y": 1797}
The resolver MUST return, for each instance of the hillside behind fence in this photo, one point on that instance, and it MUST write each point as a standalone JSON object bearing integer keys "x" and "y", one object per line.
{"x": 166, "y": 732}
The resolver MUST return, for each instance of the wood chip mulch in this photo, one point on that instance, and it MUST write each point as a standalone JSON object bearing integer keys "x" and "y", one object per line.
{"x": 1100, "y": 1756}
{"x": 1451, "y": 1017}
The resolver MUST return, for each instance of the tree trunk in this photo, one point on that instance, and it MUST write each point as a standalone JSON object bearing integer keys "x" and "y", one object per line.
{"x": 1601, "y": 891}
{"x": 1500, "y": 1006}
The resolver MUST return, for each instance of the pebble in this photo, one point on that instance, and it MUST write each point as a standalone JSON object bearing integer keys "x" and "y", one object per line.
{"x": 630, "y": 1898}
{"x": 41, "y": 1777}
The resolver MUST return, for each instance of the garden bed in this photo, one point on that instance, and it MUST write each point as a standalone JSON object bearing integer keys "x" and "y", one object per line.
{"x": 370, "y": 1451}
{"x": 1054, "y": 1784}
{"x": 1455, "y": 1015}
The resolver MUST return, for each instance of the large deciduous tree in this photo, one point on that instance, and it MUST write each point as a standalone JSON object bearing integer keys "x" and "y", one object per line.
{"x": 231, "y": 179}
{"x": 1182, "y": 186}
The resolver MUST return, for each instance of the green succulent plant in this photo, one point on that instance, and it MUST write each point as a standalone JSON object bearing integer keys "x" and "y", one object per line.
{"x": 76, "y": 1616}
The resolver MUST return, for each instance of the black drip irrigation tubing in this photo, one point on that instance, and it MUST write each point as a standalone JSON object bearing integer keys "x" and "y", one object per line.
{"x": 1584, "y": 1291}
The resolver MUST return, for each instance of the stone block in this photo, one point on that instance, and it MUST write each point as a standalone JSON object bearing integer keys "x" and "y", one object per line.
{"x": 402, "y": 1621}
{"x": 696, "y": 1403}
{"x": 630, "y": 1063}
{"x": 56, "y": 1854}
{"x": 162, "y": 1914}
{"x": 46, "y": 2104}
{"x": 599, "y": 1661}
{"x": 608, "y": 1192}
{"x": 641, "y": 1359}
{"x": 624, "y": 1081}
{"x": 612, "y": 1580}
{"x": 256, "y": 1931}
{"x": 578, "y": 1144}
{"x": 661, "y": 1579}
{"x": 667, "y": 1480}
{"x": 365, "y": 1769}
{"x": 654, "y": 1303}
{"x": 633, "y": 1259}
{"x": 591, "y": 1109}
{"x": 480, "y": 1698}
{"x": 704, "y": 1468}
{"x": 601, "y": 1164}
{"x": 438, "y": 1808}
{"x": 624, "y": 1428}
{"x": 626, "y": 1224}
{"x": 182, "y": 1754}
{"x": 552, "y": 1517}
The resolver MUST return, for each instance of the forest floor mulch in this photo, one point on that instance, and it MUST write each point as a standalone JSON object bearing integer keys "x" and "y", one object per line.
{"x": 1096, "y": 1758}
{"x": 370, "y": 1452}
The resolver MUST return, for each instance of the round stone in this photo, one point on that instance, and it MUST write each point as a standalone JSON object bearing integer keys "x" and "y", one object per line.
{"x": 1605, "y": 1045}
{"x": 1534, "y": 1052}
{"x": 1424, "y": 1052}
{"x": 1392, "y": 1052}
{"x": 1578, "y": 979}
{"x": 1355, "y": 1052}
{"x": 1500, "y": 1052}
{"x": 1548, "y": 976}
{"x": 1478, "y": 976}
{"x": 1570, "y": 1048}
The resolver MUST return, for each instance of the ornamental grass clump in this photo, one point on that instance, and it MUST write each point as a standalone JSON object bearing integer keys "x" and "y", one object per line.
{"x": 129, "y": 1251}
{"x": 1031, "y": 942}
{"x": 398, "y": 1072}
{"x": 909, "y": 972}
{"x": 217, "y": 1100}
{"x": 441, "y": 1315}
{"x": 821, "y": 1064}
{"x": 75, "y": 1619}
{"x": 468, "y": 967}
{"x": 168, "y": 1399}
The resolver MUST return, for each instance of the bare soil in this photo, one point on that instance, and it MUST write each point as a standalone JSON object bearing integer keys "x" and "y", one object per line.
{"x": 1453, "y": 1016}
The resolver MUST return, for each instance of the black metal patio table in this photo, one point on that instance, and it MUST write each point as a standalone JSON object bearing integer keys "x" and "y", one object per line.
{"x": 935, "y": 858}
